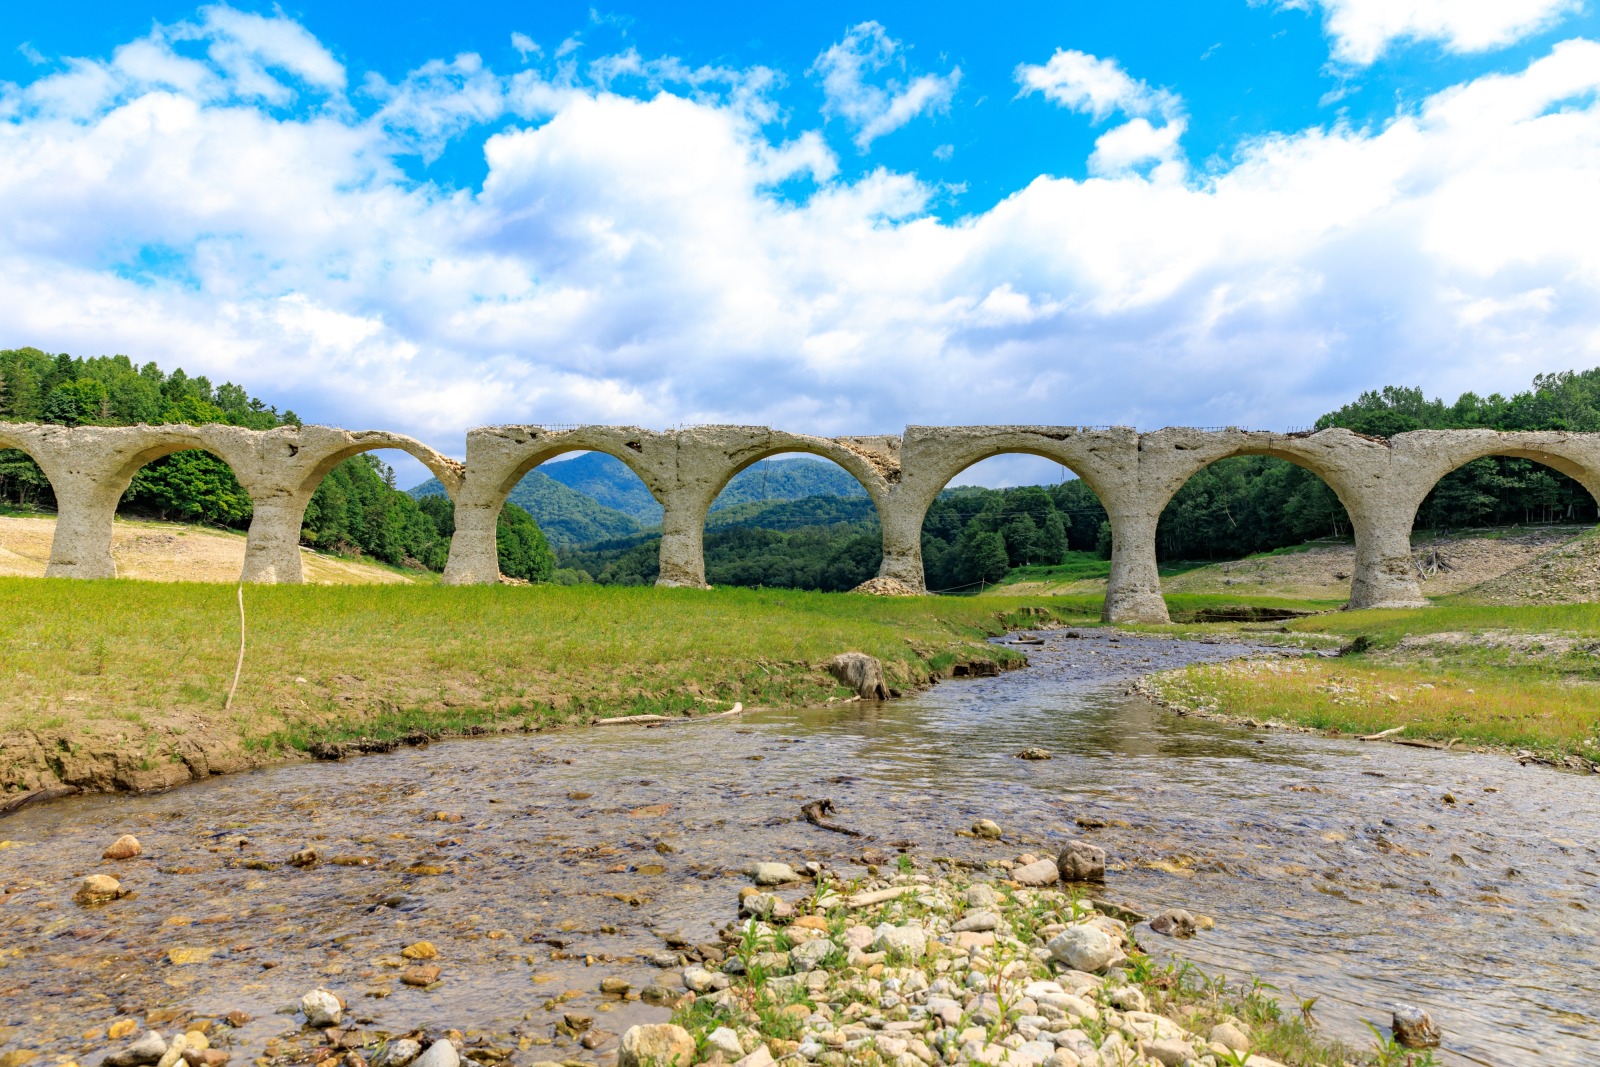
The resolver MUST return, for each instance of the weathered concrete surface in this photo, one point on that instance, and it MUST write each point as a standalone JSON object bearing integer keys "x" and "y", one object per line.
{"x": 1380, "y": 482}
{"x": 90, "y": 467}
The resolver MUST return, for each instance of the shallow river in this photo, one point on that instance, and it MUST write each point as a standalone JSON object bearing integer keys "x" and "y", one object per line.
{"x": 1333, "y": 869}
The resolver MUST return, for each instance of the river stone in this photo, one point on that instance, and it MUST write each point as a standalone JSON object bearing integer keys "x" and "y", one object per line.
{"x": 772, "y": 873}
{"x": 97, "y": 889}
{"x": 986, "y": 828}
{"x": 759, "y": 1058}
{"x": 809, "y": 954}
{"x": 1083, "y": 948}
{"x": 123, "y": 848}
{"x": 725, "y": 1041}
{"x": 655, "y": 1045}
{"x": 910, "y": 941}
{"x": 860, "y": 672}
{"x": 321, "y": 1008}
{"x": 1063, "y": 1058}
{"x": 149, "y": 1048}
{"x": 1169, "y": 1051}
{"x": 1230, "y": 1036}
{"x": 700, "y": 980}
{"x": 398, "y": 1053}
{"x": 1043, "y": 872}
{"x": 977, "y": 922}
{"x": 440, "y": 1054}
{"x": 1414, "y": 1028}
{"x": 1127, "y": 998}
{"x": 1080, "y": 861}
{"x": 1174, "y": 922}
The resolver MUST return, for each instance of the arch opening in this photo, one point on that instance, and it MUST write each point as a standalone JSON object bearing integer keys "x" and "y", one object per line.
{"x": 575, "y": 516}
{"x": 27, "y": 512}
{"x": 179, "y": 514}
{"x": 1505, "y": 489}
{"x": 1257, "y": 523}
{"x": 1037, "y": 525}
{"x": 354, "y": 510}
{"x": 1494, "y": 527}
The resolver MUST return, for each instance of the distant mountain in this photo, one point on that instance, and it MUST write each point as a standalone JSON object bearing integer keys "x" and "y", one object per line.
{"x": 566, "y": 516}
{"x": 597, "y": 498}
{"x": 608, "y": 480}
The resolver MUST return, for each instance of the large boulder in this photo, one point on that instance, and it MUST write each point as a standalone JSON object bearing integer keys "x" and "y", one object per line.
{"x": 1080, "y": 861}
{"x": 1083, "y": 948}
{"x": 860, "y": 672}
{"x": 656, "y": 1045}
{"x": 1414, "y": 1027}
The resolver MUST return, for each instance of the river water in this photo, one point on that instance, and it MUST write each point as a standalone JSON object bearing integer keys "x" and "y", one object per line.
{"x": 539, "y": 864}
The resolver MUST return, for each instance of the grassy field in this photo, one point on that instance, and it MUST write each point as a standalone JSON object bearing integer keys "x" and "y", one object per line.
{"x": 120, "y": 670}
{"x": 1511, "y": 676}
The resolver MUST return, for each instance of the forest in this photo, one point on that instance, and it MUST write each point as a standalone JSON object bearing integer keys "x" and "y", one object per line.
{"x": 823, "y": 534}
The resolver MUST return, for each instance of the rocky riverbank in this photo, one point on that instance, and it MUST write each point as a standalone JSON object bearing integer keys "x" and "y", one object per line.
{"x": 1011, "y": 961}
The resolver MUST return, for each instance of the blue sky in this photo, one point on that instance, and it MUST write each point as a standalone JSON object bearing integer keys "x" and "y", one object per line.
{"x": 830, "y": 217}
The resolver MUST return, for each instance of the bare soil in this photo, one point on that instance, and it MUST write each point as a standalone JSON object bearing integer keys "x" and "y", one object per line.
{"x": 173, "y": 552}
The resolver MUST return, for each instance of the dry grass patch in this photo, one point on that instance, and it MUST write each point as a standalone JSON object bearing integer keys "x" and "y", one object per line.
{"x": 1513, "y": 709}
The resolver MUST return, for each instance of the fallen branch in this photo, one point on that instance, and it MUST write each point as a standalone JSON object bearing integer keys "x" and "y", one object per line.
{"x": 1381, "y": 734}
{"x": 53, "y": 792}
{"x": 815, "y": 812}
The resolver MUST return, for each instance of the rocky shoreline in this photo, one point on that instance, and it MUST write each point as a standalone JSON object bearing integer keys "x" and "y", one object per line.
{"x": 1007, "y": 961}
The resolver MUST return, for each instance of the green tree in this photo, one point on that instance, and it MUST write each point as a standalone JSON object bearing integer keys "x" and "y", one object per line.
{"x": 1102, "y": 541}
{"x": 524, "y": 553}
{"x": 989, "y": 561}
{"x": 1021, "y": 539}
{"x": 1052, "y": 543}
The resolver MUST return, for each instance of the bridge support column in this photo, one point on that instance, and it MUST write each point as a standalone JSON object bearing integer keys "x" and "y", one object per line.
{"x": 85, "y": 508}
{"x": 683, "y": 529}
{"x": 902, "y": 544}
{"x": 1385, "y": 576}
{"x": 1133, "y": 593}
{"x": 474, "y": 548}
{"x": 272, "y": 551}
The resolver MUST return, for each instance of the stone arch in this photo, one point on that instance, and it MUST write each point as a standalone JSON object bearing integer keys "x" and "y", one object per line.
{"x": 23, "y": 442}
{"x": 1106, "y": 459}
{"x": 1083, "y": 472}
{"x": 293, "y": 462}
{"x": 858, "y": 463}
{"x": 1349, "y": 464}
{"x": 91, "y": 468}
{"x": 1435, "y": 454}
{"x": 498, "y": 457}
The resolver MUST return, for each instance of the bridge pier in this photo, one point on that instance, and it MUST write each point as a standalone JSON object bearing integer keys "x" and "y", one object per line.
{"x": 474, "y": 552}
{"x": 272, "y": 549}
{"x": 85, "y": 508}
{"x": 683, "y": 528}
{"x": 1133, "y": 592}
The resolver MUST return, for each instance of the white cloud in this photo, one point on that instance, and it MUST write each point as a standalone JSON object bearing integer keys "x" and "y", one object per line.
{"x": 626, "y": 259}
{"x": 1100, "y": 88}
{"x": 1362, "y": 30}
{"x": 870, "y": 109}
{"x": 1097, "y": 87}
{"x": 526, "y": 46}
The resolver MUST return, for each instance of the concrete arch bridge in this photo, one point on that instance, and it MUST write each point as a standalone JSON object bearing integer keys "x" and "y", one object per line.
{"x": 1380, "y": 482}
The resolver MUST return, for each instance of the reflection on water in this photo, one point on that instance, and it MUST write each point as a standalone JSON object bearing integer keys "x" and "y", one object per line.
{"x": 1334, "y": 869}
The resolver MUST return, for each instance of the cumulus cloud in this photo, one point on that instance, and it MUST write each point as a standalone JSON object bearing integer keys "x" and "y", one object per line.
{"x": 1100, "y": 88}
{"x": 627, "y": 260}
{"x": 874, "y": 110}
{"x": 1362, "y": 30}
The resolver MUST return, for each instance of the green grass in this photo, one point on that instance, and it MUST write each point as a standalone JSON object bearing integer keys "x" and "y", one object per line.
{"x": 1518, "y": 677}
{"x": 327, "y": 663}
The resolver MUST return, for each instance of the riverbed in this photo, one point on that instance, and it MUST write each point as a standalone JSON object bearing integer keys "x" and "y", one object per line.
{"x": 1359, "y": 874}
